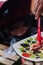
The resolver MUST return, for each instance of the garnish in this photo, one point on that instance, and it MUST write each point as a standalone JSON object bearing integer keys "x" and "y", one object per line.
{"x": 26, "y": 54}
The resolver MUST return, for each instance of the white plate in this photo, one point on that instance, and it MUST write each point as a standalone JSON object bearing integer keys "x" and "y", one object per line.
{"x": 16, "y": 47}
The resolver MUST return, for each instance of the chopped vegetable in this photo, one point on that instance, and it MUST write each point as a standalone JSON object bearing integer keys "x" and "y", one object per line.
{"x": 25, "y": 42}
{"x": 33, "y": 56}
{"x": 21, "y": 49}
{"x": 30, "y": 39}
{"x": 37, "y": 57}
{"x": 31, "y": 49}
{"x": 26, "y": 54}
{"x": 40, "y": 55}
{"x": 36, "y": 52}
{"x": 27, "y": 48}
{"x": 25, "y": 45}
{"x": 33, "y": 42}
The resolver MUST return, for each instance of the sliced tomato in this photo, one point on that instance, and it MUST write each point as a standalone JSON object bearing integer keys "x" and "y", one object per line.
{"x": 36, "y": 46}
{"x": 26, "y": 54}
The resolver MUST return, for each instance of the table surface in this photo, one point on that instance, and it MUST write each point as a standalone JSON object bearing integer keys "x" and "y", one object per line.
{"x": 11, "y": 59}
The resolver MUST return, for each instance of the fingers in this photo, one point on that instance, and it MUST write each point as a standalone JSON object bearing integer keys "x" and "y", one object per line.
{"x": 38, "y": 7}
{"x": 38, "y": 11}
{"x": 37, "y": 3}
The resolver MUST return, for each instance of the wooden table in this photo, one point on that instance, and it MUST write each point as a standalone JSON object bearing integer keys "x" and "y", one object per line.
{"x": 10, "y": 59}
{"x": 32, "y": 63}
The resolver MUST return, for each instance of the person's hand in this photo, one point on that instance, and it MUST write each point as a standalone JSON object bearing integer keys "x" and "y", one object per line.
{"x": 38, "y": 8}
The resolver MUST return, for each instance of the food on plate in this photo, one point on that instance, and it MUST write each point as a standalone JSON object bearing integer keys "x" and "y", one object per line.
{"x": 33, "y": 56}
{"x": 33, "y": 42}
{"x": 26, "y": 46}
{"x": 26, "y": 54}
{"x": 22, "y": 49}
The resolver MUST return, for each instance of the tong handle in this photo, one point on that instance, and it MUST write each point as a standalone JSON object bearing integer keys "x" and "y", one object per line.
{"x": 39, "y": 31}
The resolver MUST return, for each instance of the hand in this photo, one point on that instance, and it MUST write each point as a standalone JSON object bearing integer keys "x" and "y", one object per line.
{"x": 38, "y": 8}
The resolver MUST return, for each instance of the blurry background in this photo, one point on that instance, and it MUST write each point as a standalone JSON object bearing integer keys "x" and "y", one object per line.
{"x": 17, "y": 20}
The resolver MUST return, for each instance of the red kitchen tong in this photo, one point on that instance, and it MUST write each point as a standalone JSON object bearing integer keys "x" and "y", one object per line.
{"x": 39, "y": 32}
{"x": 39, "y": 38}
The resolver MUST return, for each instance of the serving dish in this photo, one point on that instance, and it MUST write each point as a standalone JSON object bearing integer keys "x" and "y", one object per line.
{"x": 23, "y": 48}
